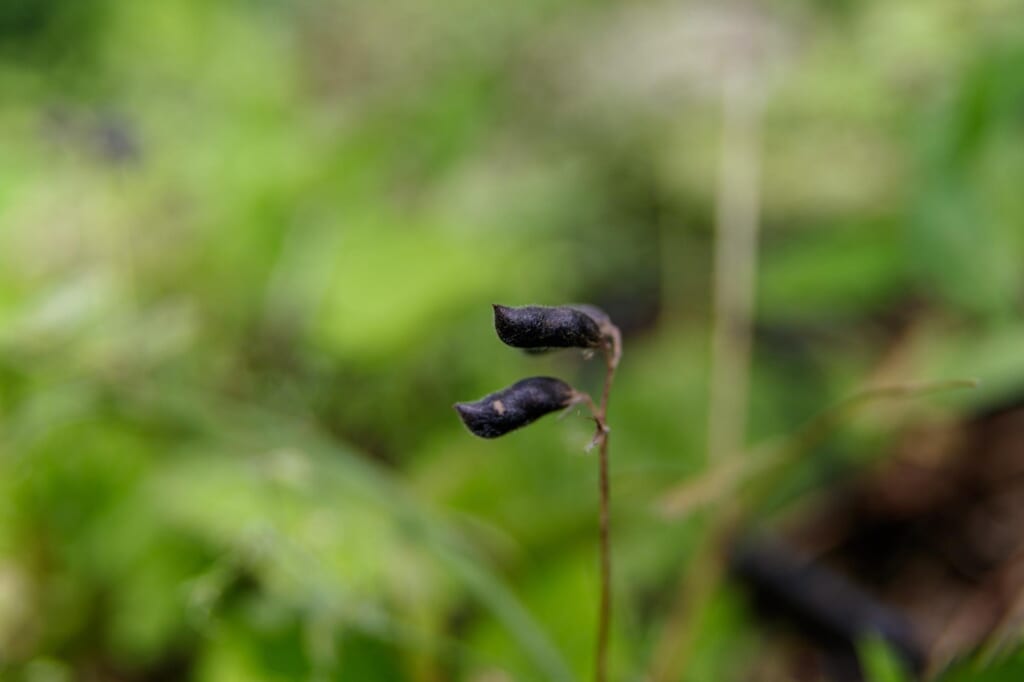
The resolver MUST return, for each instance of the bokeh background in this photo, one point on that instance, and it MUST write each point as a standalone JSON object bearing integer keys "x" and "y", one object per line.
{"x": 247, "y": 254}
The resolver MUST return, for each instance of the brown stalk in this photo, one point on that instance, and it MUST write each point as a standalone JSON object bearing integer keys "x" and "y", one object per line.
{"x": 599, "y": 412}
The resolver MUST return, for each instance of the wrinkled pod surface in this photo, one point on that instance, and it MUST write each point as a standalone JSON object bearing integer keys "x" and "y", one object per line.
{"x": 539, "y": 327}
{"x": 522, "y": 403}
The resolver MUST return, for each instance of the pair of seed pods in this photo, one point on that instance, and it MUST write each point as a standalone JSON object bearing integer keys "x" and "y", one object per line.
{"x": 535, "y": 328}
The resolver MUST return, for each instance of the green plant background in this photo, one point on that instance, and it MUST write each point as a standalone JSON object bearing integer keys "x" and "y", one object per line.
{"x": 247, "y": 254}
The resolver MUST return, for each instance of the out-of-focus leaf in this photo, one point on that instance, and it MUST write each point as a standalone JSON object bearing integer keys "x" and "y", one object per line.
{"x": 880, "y": 663}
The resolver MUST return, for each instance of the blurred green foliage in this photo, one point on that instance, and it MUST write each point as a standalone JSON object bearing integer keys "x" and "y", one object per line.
{"x": 246, "y": 254}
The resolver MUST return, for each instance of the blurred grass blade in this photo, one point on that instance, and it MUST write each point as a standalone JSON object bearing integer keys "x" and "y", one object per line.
{"x": 724, "y": 478}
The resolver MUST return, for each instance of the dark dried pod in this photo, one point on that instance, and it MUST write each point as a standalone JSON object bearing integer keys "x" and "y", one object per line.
{"x": 538, "y": 327}
{"x": 596, "y": 314}
{"x": 516, "y": 406}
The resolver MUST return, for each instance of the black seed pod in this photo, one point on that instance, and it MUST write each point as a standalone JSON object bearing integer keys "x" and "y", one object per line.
{"x": 547, "y": 327}
{"x": 518, "y": 405}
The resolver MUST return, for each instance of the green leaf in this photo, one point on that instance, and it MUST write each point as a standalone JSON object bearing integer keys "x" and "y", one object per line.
{"x": 881, "y": 664}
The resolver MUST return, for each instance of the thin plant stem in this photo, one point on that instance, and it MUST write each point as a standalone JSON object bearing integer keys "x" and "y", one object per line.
{"x": 604, "y": 614}
{"x": 735, "y": 272}
{"x": 735, "y": 266}
{"x": 612, "y": 353}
